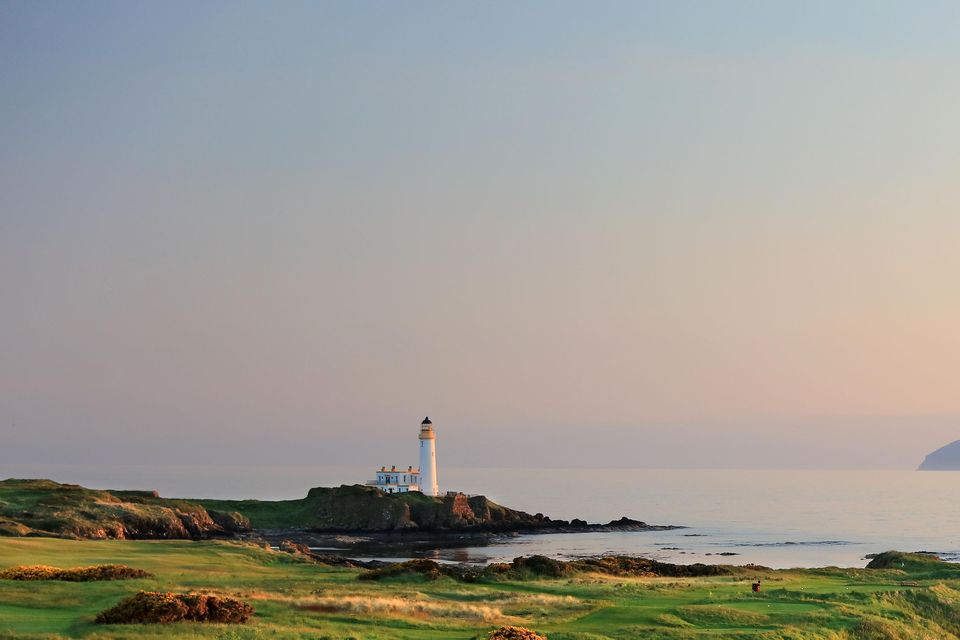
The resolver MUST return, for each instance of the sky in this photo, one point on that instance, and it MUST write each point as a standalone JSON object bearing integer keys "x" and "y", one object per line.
{"x": 575, "y": 234}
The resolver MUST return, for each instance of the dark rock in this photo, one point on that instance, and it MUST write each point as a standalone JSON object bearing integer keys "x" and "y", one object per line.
{"x": 289, "y": 546}
{"x": 230, "y": 521}
{"x": 626, "y": 523}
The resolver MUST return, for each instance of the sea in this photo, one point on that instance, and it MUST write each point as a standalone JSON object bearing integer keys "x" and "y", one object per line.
{"x": 776, "y": 518}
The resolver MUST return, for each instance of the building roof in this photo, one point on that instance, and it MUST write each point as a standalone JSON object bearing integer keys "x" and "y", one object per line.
{"x": 426, "y": 420}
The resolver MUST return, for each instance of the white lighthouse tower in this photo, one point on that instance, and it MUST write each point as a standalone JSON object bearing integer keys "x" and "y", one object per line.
{"x": 428, "y": 459}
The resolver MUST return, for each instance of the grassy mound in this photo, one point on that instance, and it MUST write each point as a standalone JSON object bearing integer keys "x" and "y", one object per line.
{"x": 48, "y": 508}
{"x": 514, "y": 633}
{"x": 905, "y": 561}
{"x": 76, "y": 574}
{"x": 150, "y": 607}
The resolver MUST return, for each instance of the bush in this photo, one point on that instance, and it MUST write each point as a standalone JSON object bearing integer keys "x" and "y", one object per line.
{"x": 76, "y": 574}
{"x": 427, "y": 568}
{"x": 159, "y": 608}
{"x": 524, "y": 568}
{"x": 529, "y": 567}
{"x": 514, "y": 633}
{"x": 633, "y": 566}
{"x": 542, "y": 566}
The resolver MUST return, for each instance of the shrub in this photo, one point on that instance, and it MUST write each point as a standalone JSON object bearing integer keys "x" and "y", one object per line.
{"x": 76, "y": 574}
{"x": 529, "y": 567}
{"x": 514, "y": 633}
{"x": 542, "y": 566}
{"x": 633, "y": 566}
{"x": 159, "y": 608}
{"x": 427, "y": 568}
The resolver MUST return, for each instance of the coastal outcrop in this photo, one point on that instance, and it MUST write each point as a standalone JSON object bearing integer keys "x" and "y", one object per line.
{"x": 48, "y": 508}
{"x": 366, "y": 509}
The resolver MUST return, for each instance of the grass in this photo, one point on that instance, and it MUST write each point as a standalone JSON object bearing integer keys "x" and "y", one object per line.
{"x": 296, "y": 599}
{"x": 47, "y": 508}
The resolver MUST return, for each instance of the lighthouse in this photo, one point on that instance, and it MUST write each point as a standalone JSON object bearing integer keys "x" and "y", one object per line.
{"x": 395, "y": 479}
{"x": 428, "y": 459}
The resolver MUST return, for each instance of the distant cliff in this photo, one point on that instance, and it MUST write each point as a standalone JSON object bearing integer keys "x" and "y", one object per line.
{"x": 946, "y": 458}
{"x": 48, "y": 508}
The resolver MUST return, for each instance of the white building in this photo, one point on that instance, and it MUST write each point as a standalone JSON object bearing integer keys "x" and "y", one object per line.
{"x": 424, "y": 479}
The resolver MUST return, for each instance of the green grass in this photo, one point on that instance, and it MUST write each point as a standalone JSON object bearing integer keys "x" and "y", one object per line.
{"x": 294, "y": 599}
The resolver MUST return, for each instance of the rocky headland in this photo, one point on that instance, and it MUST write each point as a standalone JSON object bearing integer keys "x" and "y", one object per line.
{"x": 47, "y": 508}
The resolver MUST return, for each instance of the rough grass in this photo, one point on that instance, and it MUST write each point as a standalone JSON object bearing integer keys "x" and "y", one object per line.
{"x": 411, "y": 606}
{"x": 295, "y": 599}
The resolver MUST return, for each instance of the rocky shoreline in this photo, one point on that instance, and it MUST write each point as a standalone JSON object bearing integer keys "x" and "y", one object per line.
{"x": 368, "y": 542}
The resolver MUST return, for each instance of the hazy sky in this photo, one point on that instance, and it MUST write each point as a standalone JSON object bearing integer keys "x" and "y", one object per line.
{"x": 574, "y": 234}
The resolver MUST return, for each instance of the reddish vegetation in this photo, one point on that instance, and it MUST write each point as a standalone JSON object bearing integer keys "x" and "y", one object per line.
{"x": 157, "y": 608}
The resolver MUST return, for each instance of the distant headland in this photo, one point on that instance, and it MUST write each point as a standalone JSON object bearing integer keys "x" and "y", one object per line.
{"x": 946, "y": 458}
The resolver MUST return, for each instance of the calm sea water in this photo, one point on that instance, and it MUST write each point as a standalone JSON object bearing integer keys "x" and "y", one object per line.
{"x": 776, "y": 518}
